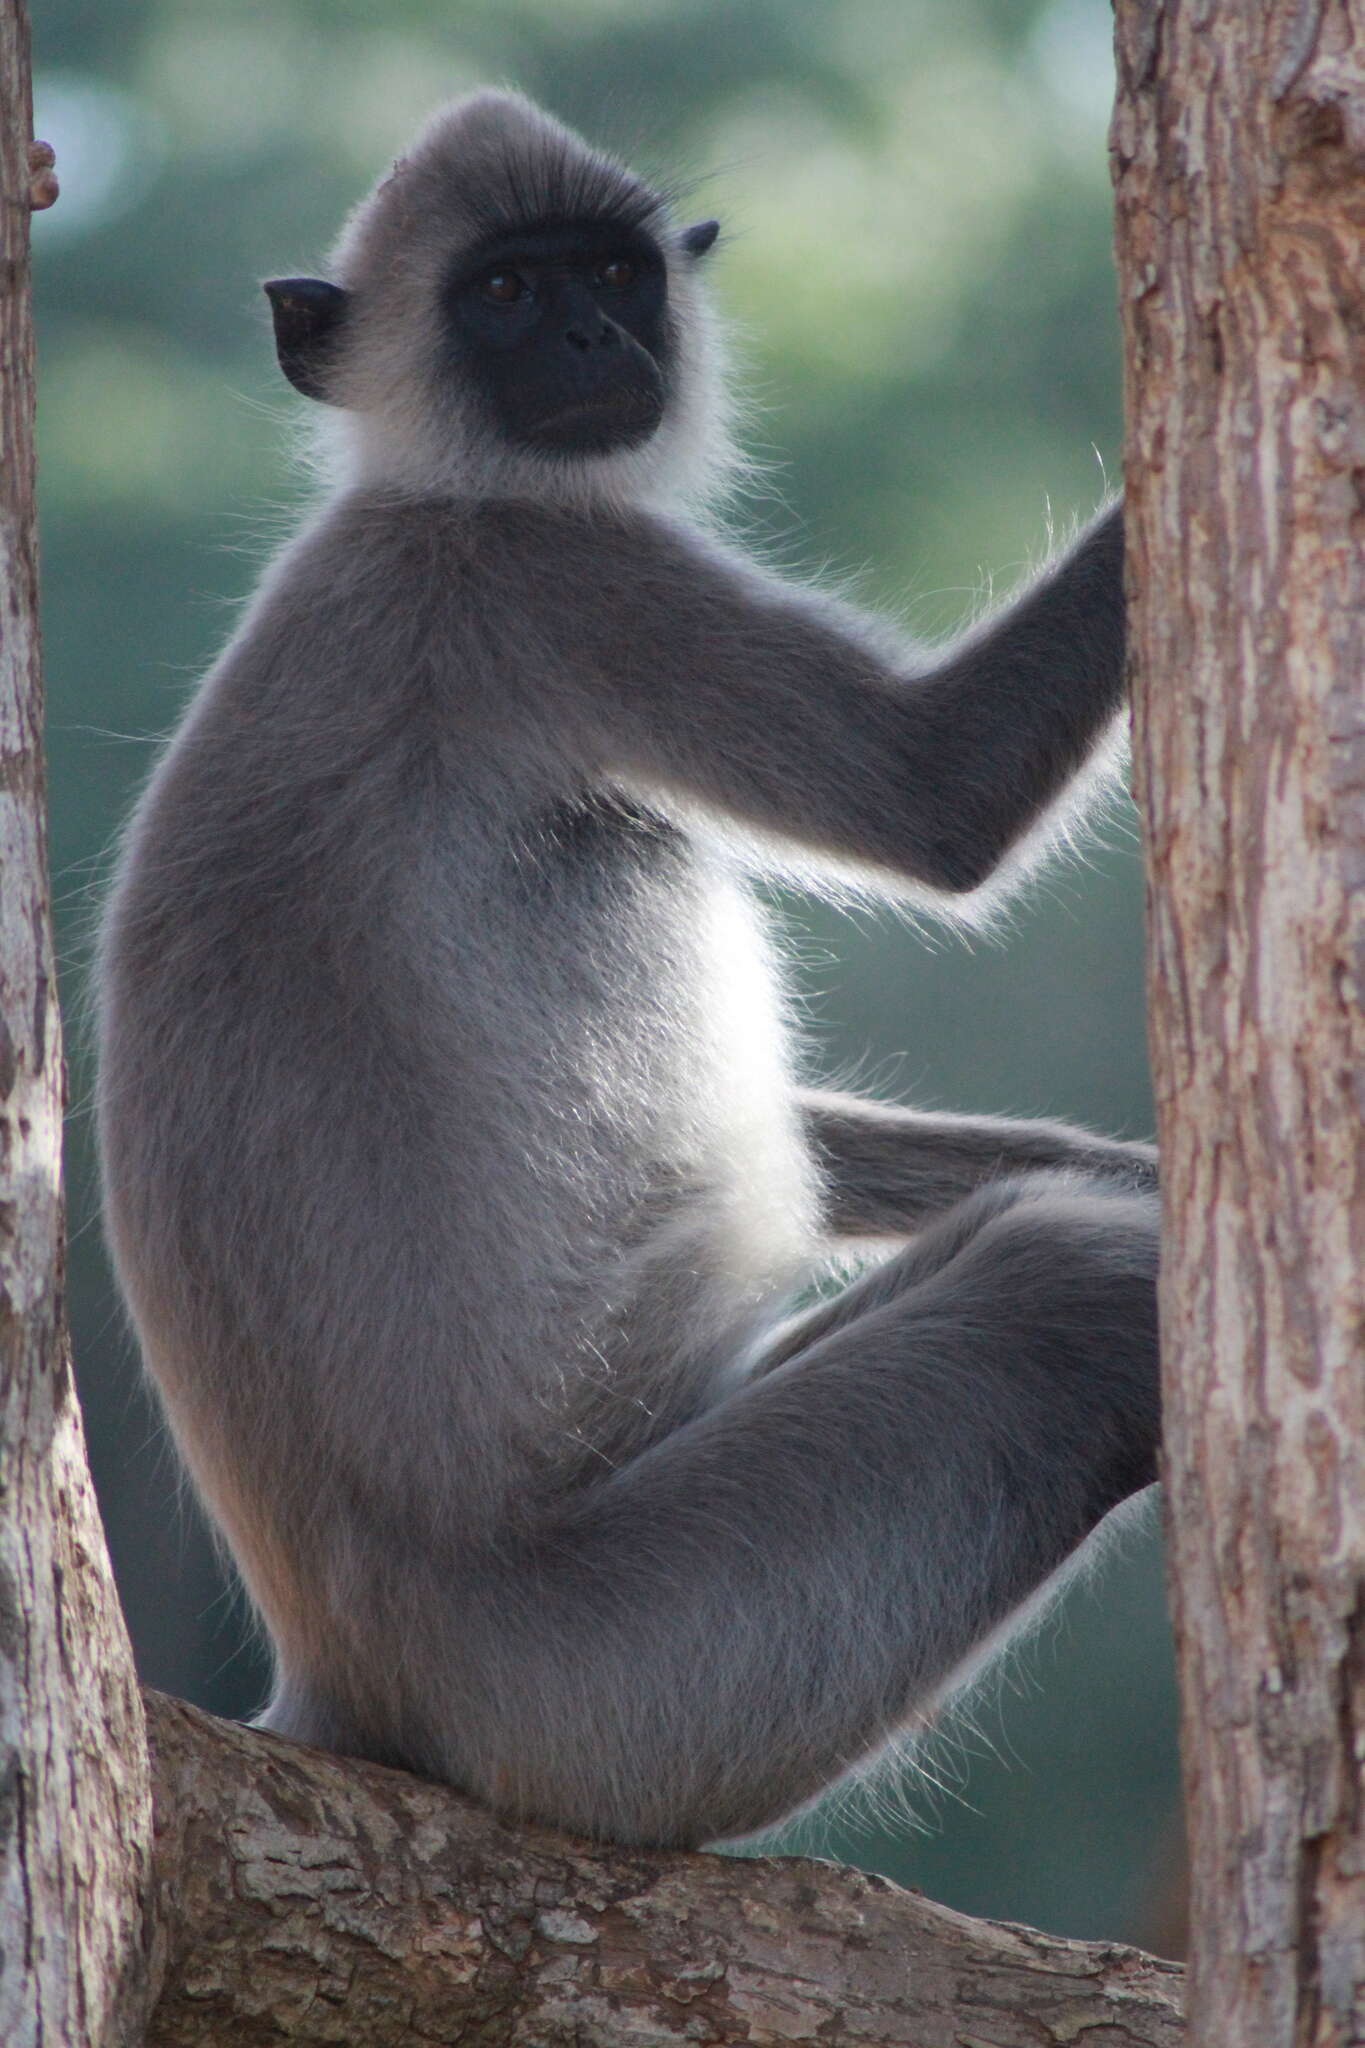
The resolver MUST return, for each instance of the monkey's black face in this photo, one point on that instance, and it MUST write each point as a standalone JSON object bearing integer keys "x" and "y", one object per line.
{"x": 564, "y": 330}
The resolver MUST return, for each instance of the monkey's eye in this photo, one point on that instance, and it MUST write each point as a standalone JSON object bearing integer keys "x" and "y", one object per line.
{"x": 503, "y": 287}
{"x": 617, "y": 273}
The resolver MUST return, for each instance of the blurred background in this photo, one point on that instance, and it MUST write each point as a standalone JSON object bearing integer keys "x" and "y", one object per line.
{"x": 918, "y": 271}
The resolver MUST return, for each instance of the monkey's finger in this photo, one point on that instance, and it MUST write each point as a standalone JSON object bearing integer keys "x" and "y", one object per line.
{"x": 43, "y": 186}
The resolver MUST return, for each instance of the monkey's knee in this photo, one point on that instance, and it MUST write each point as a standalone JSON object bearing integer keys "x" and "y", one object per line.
{"x": 1058, "y": 1230}
{"x": 1073, "y": 1266}
{"x": 1029, "y": 1198}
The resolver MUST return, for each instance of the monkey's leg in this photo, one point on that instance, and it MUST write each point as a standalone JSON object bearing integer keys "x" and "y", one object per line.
{"x": 730, "y": 1623}
{"x": 887, "y": 1169}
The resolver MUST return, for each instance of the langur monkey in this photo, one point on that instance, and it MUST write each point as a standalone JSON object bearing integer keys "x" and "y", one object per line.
{"x": 456, "y": 1173}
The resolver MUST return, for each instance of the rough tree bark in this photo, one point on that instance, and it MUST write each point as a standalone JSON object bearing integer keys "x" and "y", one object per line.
{"x": 1239, "y": 147}
{"x": 74, "y": 1798}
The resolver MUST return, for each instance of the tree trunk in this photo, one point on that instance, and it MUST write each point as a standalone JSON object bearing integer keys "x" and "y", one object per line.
{"x": 74, "y": 1800}
{"x": 1239, "y": 147}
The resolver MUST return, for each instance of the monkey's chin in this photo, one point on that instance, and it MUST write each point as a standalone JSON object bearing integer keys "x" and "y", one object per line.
{"x": 595, "y": 426}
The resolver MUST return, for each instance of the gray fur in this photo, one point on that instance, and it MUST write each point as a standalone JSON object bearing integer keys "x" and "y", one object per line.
{"x": 455, "y": 1172}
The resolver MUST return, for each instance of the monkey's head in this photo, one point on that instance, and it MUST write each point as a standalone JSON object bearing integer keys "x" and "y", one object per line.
{"x": 513, "y": 311}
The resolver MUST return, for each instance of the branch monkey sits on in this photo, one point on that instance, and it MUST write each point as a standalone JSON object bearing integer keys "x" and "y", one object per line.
{"x": 456, "y": 1175}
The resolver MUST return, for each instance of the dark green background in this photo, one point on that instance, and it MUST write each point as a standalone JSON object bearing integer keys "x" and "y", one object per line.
{"x": 918, "y": 271}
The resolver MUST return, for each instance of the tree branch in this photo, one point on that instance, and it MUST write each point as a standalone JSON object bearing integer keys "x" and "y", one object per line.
{"x": 304, "y": 1898}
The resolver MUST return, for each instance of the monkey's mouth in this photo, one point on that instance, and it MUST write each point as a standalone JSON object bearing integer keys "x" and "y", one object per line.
{"x": 599, "y": 424}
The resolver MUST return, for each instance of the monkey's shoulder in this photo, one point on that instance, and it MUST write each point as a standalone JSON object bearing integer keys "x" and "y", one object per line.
{"x": 513, "y": 554}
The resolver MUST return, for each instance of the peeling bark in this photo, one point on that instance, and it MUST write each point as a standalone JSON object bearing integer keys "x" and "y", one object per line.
{"x": 307, "y": 1899}
{"x": 74, "y": 1796}
{"x": 1239, "y": 155}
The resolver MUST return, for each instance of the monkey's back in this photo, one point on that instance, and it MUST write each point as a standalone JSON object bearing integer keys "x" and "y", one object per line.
{"x": 442, "y": 1084}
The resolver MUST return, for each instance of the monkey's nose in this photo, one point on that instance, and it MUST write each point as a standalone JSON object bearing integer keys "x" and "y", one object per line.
{"x": 577, "y": 338}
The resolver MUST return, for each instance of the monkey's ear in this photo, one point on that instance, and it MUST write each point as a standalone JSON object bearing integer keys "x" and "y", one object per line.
{"x": 702, "y": 237}
{"x": 308, "y": 314}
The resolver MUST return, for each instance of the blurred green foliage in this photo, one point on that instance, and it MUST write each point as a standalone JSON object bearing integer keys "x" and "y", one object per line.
{"x": 917, "y": 268}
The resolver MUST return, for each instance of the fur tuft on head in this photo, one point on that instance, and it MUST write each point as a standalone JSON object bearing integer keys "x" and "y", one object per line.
{"x": 485, "y": 166}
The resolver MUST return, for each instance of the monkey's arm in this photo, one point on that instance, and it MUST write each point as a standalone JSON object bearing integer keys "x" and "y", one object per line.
{"x": 886, "y": 1170}
{"x": 798, "y": 717}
